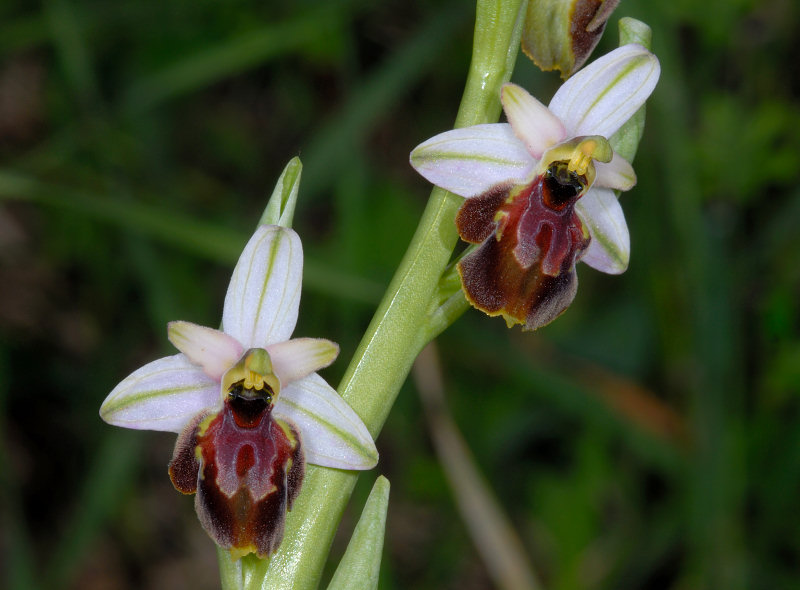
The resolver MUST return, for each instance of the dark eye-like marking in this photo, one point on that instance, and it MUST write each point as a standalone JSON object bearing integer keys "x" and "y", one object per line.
{"x": 561, "y": 186}
{"x": 240, "y": 392}
{"x": 249, "y": 405}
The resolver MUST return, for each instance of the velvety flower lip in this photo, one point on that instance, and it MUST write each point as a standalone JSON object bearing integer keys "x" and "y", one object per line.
{"x": 596, "y": 101}
{"x": 260, "y": 312}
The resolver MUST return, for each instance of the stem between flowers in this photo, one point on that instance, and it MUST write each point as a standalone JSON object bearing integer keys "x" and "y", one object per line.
{"x": 400, "y": 327}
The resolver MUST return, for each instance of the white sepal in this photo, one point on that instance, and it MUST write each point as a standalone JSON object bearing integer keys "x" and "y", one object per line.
{"x": 610, "y": 248}
{"x": 162, "y": 395}
{"x": 263, "y": 297}
{"x": 333, "y": 434}
{"x": 471, "y": 160}
{"x": 601, "y": 97}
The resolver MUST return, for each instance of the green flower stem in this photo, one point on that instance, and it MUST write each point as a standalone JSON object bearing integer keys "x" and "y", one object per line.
{"x": 397, "y": 332}
{"x": 392, "y": 341}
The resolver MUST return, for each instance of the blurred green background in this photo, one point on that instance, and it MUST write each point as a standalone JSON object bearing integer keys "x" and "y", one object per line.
{"x": 648, "y": 439}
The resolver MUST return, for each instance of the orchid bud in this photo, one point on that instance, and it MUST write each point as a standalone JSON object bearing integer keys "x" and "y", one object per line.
{"x": 561, "y": 34}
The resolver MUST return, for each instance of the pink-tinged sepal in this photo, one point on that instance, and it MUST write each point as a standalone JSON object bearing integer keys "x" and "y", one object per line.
{"x": 531, "y": 239}
{"x": 165, "y": 395}
{"x": 210, "y": 349}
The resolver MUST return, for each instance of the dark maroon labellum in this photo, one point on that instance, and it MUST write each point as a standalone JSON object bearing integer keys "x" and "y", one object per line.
{"x": 530, "y": 240}
{"x": 246, "y": 468}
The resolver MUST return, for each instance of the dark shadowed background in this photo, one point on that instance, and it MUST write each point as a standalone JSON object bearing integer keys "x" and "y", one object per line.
{"x": 648, "y": 439}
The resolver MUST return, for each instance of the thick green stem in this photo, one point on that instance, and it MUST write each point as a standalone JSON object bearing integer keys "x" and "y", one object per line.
{"x": 398, "y": 330}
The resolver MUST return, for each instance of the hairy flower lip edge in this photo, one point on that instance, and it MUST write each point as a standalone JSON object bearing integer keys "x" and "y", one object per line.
{"x": 244, "y": 486}
{"x": 512, "y": 274}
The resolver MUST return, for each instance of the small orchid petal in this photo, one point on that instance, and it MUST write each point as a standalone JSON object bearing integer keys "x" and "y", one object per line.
{"x": 471, "y": 160}
{"x": 333, "y": 434}
{"x": 610, "y": 248}
{"x": 532, "y": 122}
{"x": 617, "y": 174}
{"x": 600, "y": 98}
{"x": 214, "y": 351}
{"x": 162, "y": 395}
{"x": 263, "y": 298}
{"x": 299, "y": 357}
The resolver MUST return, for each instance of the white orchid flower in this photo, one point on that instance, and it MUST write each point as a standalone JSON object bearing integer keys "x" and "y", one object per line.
{"x": 540, "y": 188}
{"x": 247, "y": 402}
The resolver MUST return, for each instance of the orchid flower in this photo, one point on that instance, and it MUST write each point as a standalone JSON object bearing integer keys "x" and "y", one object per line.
{"x": 540, "y": 188}
{"x": 247, "y": 402}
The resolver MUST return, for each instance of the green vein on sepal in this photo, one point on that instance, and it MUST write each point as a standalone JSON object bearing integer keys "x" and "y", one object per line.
{"x": 353, "y": 442}
{"x": 418, "y": 158}
{"x": 125, "y": 401}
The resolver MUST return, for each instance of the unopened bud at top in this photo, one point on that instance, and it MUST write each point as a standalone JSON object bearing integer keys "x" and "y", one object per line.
{"x": 561, "y": 34}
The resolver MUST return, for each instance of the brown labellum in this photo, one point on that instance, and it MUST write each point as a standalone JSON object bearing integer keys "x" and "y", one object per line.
{"x": 530, "y": 239}
{"x": 246, "y": 468}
